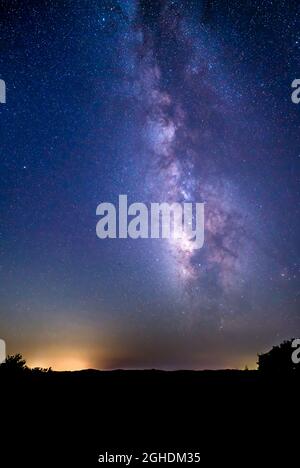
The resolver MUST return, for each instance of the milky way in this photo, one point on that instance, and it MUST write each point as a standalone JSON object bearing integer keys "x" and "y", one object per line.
{"x": 184, "y": 127}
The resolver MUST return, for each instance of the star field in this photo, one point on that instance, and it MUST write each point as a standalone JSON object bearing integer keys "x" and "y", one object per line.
{"x": 162, "y": 101}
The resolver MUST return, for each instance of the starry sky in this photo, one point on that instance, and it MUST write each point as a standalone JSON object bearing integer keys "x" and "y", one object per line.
{"x": 163, "y": 101}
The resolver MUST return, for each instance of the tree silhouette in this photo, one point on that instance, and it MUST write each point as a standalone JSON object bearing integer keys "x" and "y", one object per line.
{"x": 14, "y": 364}
{"x": 278, "y": 360}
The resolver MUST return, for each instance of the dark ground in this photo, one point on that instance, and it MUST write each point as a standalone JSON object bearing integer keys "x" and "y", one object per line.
{"x": 234, "y": 418}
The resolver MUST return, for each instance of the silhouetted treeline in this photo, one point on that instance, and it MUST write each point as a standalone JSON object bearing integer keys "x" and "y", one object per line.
{"x": 16, "y": 365}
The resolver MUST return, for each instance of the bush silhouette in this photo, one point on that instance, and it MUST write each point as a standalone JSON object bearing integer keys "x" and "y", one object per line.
{"x": 41, "y": 370}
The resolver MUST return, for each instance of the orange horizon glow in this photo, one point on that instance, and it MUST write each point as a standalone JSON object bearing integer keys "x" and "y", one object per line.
{"x": 62, "y": 364}
{"x": 63, "y": 360}
{"x": 74, "y": 362}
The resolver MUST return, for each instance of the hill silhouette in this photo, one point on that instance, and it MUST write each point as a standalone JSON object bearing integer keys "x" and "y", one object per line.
{"x": 69, "y": 418}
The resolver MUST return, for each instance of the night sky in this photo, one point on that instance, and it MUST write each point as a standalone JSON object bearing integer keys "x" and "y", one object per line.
{"x": 162, "y": 101}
